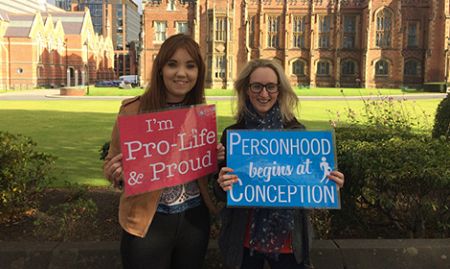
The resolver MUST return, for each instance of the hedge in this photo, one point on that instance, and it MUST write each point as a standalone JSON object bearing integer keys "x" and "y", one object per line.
{"x": 24, "y": 175}
{"x": 397, "y": 185}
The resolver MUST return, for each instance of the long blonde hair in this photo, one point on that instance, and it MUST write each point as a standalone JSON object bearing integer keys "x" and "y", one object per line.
{"x": 287, "y": 99}
{"x": 154, "y": 97}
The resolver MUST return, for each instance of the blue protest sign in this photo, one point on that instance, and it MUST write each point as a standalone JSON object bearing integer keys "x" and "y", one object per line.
{"x": 282, "y": 168}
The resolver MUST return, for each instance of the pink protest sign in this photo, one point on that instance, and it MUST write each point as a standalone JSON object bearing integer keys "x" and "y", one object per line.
{"x": 167, "y": 148}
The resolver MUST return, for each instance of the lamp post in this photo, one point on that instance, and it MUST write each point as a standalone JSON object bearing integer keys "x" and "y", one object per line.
{"x": 86, "y": 43}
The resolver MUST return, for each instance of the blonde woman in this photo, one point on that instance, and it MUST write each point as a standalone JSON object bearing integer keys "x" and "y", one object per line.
{"x": 249, "y": 237}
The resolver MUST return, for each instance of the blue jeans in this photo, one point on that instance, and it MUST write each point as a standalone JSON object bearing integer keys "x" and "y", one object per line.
{"x": 256, "y": 261}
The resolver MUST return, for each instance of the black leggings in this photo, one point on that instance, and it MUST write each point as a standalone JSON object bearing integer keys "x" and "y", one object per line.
{"x": 175, "y": 241}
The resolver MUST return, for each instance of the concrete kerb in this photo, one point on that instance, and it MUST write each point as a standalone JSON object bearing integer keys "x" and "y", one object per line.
{"x": 326, "y": 254}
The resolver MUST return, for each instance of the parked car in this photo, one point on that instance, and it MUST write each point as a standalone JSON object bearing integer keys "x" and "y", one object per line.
{"x": 108, "y": 83}
{"x": 125, "y": 85}
{"x": 116, "y": 82}
{"x": 131, "y": 79}
{"x": 104, "y": 83}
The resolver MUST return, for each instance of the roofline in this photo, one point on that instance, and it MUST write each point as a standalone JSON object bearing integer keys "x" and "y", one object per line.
{"x": 132, "y": 1}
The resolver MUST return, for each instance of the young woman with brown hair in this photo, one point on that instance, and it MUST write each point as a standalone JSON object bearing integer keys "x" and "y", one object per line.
{"x": 165, "y": 228}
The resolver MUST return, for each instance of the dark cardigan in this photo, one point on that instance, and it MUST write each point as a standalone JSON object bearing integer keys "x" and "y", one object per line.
{"x": 234, "y": 220}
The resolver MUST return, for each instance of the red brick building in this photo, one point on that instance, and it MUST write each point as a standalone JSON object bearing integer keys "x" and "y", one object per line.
{"x": 368, "y": 43}
{"x": 117, "y": 19}
{"x": 46, "y": 46}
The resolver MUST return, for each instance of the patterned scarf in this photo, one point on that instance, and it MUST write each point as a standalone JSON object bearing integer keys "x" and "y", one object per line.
{"x": 269, "y": 228}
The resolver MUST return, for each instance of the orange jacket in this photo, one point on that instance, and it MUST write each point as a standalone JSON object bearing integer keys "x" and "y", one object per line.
{"x": 136, "y": 212}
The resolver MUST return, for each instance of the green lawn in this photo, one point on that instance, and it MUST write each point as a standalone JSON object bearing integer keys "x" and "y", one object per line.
{"x": 108, "y": 91}
{"x": 74, "y": 130}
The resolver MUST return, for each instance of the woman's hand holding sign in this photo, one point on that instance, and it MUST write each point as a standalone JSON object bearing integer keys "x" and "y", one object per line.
{"x": 114, "y": 172}
{"x": 337, "y": 177}
{"x": 220, "y": 152}
{"x": 226, "y": 180}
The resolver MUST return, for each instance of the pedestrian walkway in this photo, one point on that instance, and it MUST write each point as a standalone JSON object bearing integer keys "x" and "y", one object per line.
{"x": 28, "y": 94}
{"x": 38, "y": 92}
{"x": 325, "y": 254}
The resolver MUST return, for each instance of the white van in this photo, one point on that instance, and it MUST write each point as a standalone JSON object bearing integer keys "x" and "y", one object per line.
{"x": 130, "y": 79}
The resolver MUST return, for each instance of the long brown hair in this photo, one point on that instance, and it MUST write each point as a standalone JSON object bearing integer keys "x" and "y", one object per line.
{"x": 287, "y": 99}
{"x": 154, "y": 97}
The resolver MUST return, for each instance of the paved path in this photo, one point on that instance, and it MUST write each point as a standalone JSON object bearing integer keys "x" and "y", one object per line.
{"x": 53, "y": 95}
{"x": 325, "y": 254}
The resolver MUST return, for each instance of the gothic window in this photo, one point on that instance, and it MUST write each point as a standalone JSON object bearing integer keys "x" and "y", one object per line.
{"x": 411, "y": 68}
{"x": 382, "y": 68}
{"x": 171, "y": 5}
{"x": 348, "y": 67}
{"x": 349, "y": 32}
{"x": 272, "y": 31}
{"x": 323, "y": 68}
{"x": 220, "y": 66}
{"x": 384, "y": 28}
{"x": 182, "y": 27}
{"x": 251, "y": 34}
{"x": 210, "y": 28}
{"x": 324, "y": 32}
{"x": 221, "y": 28}
{"x": 412, "y": 35}
{"x": 160, "y": 31}
{"x": 298, "y": 32}
{"x": 209, "y": 67}
{"x": 298, "y": 68}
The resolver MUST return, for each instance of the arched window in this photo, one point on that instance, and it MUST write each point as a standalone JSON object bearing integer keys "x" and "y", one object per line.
{"x": 323, "y": 68}
{"x": 382, "y": 68}
{"x": 348, "y": 67}
{"x": 411, "y": 68}
{"x": 384, "y": 28}
{"x": 298, "y": 68}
